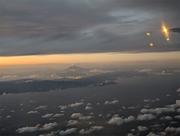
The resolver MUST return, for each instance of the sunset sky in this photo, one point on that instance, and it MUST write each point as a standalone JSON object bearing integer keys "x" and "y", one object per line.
{"x": 75, "y": 31}
{"x": 89, "y": 58}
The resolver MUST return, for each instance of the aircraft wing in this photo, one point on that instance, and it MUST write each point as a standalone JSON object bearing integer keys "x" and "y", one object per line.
{"x": 176, "y": 30}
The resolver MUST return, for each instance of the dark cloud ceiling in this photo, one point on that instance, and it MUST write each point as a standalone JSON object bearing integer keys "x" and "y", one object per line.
{"x": 73, "y": 26}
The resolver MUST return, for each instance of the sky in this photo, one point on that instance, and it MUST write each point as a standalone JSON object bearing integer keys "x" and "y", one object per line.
{"x": 91, "y": 58}
{"x": 35, "y": 27}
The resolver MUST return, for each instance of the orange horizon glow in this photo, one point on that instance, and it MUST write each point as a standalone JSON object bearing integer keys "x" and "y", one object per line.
{"x": 87, "y": 58}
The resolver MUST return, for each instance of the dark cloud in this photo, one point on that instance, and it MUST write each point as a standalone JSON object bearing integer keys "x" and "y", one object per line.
{"x": 72, "y": 26}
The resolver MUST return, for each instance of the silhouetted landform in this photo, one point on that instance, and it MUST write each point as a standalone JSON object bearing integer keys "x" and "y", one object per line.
{"x": 34, "y": 85}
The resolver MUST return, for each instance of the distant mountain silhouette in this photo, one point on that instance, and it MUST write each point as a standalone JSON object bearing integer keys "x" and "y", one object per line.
{"x": 77, "y": 72}
{"x": 75, "y": 68}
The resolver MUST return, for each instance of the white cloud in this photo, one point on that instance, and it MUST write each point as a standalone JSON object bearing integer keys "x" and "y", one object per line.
{"x": 111, "y": 102}
{"x": 90, "y": 130}
{"x": 49, "y": 126}
{"x": 129, "y": 119}
{"x": 42, "y": 107}
{"x": 159, "y": 110}
{"x": 36, "y": 128}
{"x": 143, "y": 117}
{"x": 85, "y": 117}
{"x": 77, "y": 104}
{"x": 72, "y": 122}
{"x": 57, "y": 115}
{"x": 62, "y": 107}
{"x": 76, "y": 115}
{"x": 89, "y": 104}
{"x": 12, "y": 111}
{"x": 142, "y": 128}
{"x": 177, "y": 117}
{"x": 172, "y": 130}
{"x": 169, "y": 118}
{"x": 88, "y": 108}
{"x": 178, "y": 90}
{"x": 8, "y": 116}
{"x": 80, "y": 116}
{"x": 68, "y": 131}
{"x": 151, "y": 100}
{"x": 27, "y": 129}
{"x": 152, "y": 134}
{"x": 32, "y": 112}
{"x": 47, "y": 115}
{"x": 116, "y": 120}
{"x": 100, "y": 115}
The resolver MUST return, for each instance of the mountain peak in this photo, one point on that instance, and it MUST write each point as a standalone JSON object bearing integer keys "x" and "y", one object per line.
{"x": 74, "y": 68}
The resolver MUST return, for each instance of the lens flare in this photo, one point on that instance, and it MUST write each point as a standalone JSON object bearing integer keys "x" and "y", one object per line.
{"x": 148, "y": 34}
{"x": 165, "y": 31}
{"x": 151, "y": 44}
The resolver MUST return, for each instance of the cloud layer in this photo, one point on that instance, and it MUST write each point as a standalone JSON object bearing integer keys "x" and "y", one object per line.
{"x": 68, "y": 26}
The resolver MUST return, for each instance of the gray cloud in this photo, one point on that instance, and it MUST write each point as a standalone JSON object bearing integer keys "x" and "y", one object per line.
{"x": 68, "y": 26}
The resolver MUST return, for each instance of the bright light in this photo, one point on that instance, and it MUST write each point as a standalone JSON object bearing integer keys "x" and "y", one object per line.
{"x": 148, "y": 34}
{"x": 151, "y": 44}
{"x": 165, "y": 31}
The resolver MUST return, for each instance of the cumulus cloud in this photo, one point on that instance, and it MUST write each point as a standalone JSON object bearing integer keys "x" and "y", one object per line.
{"x": 62, "y": 107}
{"x": 49, "y": 126}
{"x": 142, "y": 128}
{"x": 173, "y": 130}
{"x": 177, "y": 117}
{"x": 85, "y": 117}
{"x": 45, "y": 127}
{"x": 72, "y": 122}
{"x": 47, "y": 115}
{"x": 8, "y": 116}
{"x": 129, "y": 119}
{"x": 76, "y": 115}
{"x": 90, "y": 130}
{"x": 88, "y": 107}
{"x": 27, "y": 129}
{"x": 152, "y": 134}
{"x": 77, "y": 104}
{"x": 111, "y": 102}
{"x": 68, "y": 131}
{"x": 42, "y": 107}
{"x": 116, "y": 120}
{"x": 178, "y": 90}
{"x": 57, "y": 115}
{"x": 169, "y": 118}
{"x": 80, "y": 116}
{"x": 144, "y": 117}
{"x": 72, "y": 105}
{"x": 32, "y": 112}
{"x": 151, "y": 100}
{"x": 159, "y": 110}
